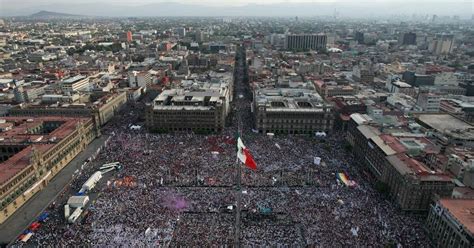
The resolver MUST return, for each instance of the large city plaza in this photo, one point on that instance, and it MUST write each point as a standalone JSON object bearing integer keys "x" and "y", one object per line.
{"x": 180, "y": 189}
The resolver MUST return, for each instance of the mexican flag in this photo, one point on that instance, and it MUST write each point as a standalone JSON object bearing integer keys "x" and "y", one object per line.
{"x": 244, "y": 155}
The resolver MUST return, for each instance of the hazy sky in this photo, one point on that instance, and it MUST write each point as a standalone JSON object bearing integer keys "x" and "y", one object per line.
{"x": 26, "y": 3}
{"x": 463, "y": 8}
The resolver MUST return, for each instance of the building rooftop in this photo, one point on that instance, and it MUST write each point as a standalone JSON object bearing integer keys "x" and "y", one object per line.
{"x": 448, "y": 125}
{"x": 6, "y": 80}
{"x": 443, "y": 122}
{"x": 199, "y": 92}
{"x": 411, "y": 144}
{"x": 409, "y": 166}
{"x": 361, "y": 118}
{"x": 386, "y": 148}
{"x": 401, "y": 84}
{"x": 462, "y": 210}
{"x": 28, "y": 134}
{"x": 74, "y": 79}
{"x": 458, "y": 103}
{"x": 368, "y": 131}
{"x": 97, "y": 100}
{"x": 20, "y": 161}
{"x": 288, "y": 99}
{"x": 176, "y": 99}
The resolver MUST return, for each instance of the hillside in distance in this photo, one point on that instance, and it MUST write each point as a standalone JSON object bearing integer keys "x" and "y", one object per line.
{"x": 175, "y": 8}
{"x": 50, "y": 14}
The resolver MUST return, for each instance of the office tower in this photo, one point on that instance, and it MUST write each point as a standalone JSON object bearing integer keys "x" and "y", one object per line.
{"x": 442, "y": 44}
{"x": 181, "y": 32}
{"x": 199, "y": 36}
{"x": 408, "y": 39}
{"x": 305, "y": 41}
{"x": 359, "y": 37}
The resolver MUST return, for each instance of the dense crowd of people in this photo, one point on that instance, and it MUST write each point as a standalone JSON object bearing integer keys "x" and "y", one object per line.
{"x": 184, "y": 195}
{"x": 181, "y": 190}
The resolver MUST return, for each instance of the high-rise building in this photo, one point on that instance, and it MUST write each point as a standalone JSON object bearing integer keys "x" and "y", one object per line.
{"x": 417, "y": 80}
{"x": 181, "y": 32}
{"x": 199, "y": 36}
{"x": 429, "y": 102}
{"x": 442, "y": 44}
{"x": 359, "y": 37}
{"x": 129, "y": 36}
{"x": 137, "y": 79}
{"x": 363, "y": 73}
{"x": 305, "y": 41}
{"x": 407, "y": 39}
{"x": 76, "y": 83}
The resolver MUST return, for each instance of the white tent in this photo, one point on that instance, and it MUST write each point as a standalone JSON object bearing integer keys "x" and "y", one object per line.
{"x": 320, "y": 134}
{"x": 78, "y": 201}
{"x": 317, "y": 160}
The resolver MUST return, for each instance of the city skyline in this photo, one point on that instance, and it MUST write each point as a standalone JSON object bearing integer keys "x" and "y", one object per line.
{"x": 219, "y": 2}
{"x": 273, "y": 123}
{"x": 346, "y": 8}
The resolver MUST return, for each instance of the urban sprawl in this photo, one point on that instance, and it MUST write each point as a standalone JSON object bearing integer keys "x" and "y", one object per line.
{"x": 236, "y": 132}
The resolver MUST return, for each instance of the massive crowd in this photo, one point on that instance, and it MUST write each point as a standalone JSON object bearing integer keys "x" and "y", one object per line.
{"x": 181, "y": 191}
{"x": 184, "y": 195}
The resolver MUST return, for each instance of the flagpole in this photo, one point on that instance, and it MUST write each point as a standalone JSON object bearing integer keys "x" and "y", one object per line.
{"x": 239, "y": 197}
{"x": 237, "y": 163}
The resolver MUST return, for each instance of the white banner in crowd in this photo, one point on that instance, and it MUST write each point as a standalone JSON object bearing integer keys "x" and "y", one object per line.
{"x": 317, "y": 160}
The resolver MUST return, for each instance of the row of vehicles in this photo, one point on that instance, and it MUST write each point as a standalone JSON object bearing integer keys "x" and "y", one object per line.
{"x": 76, "y": 204}
{"x": 33, "y": 227}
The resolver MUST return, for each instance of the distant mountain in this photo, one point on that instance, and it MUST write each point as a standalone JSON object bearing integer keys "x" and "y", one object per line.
{"x": 323, "y": 8}
{"x": 50, "y": 14}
